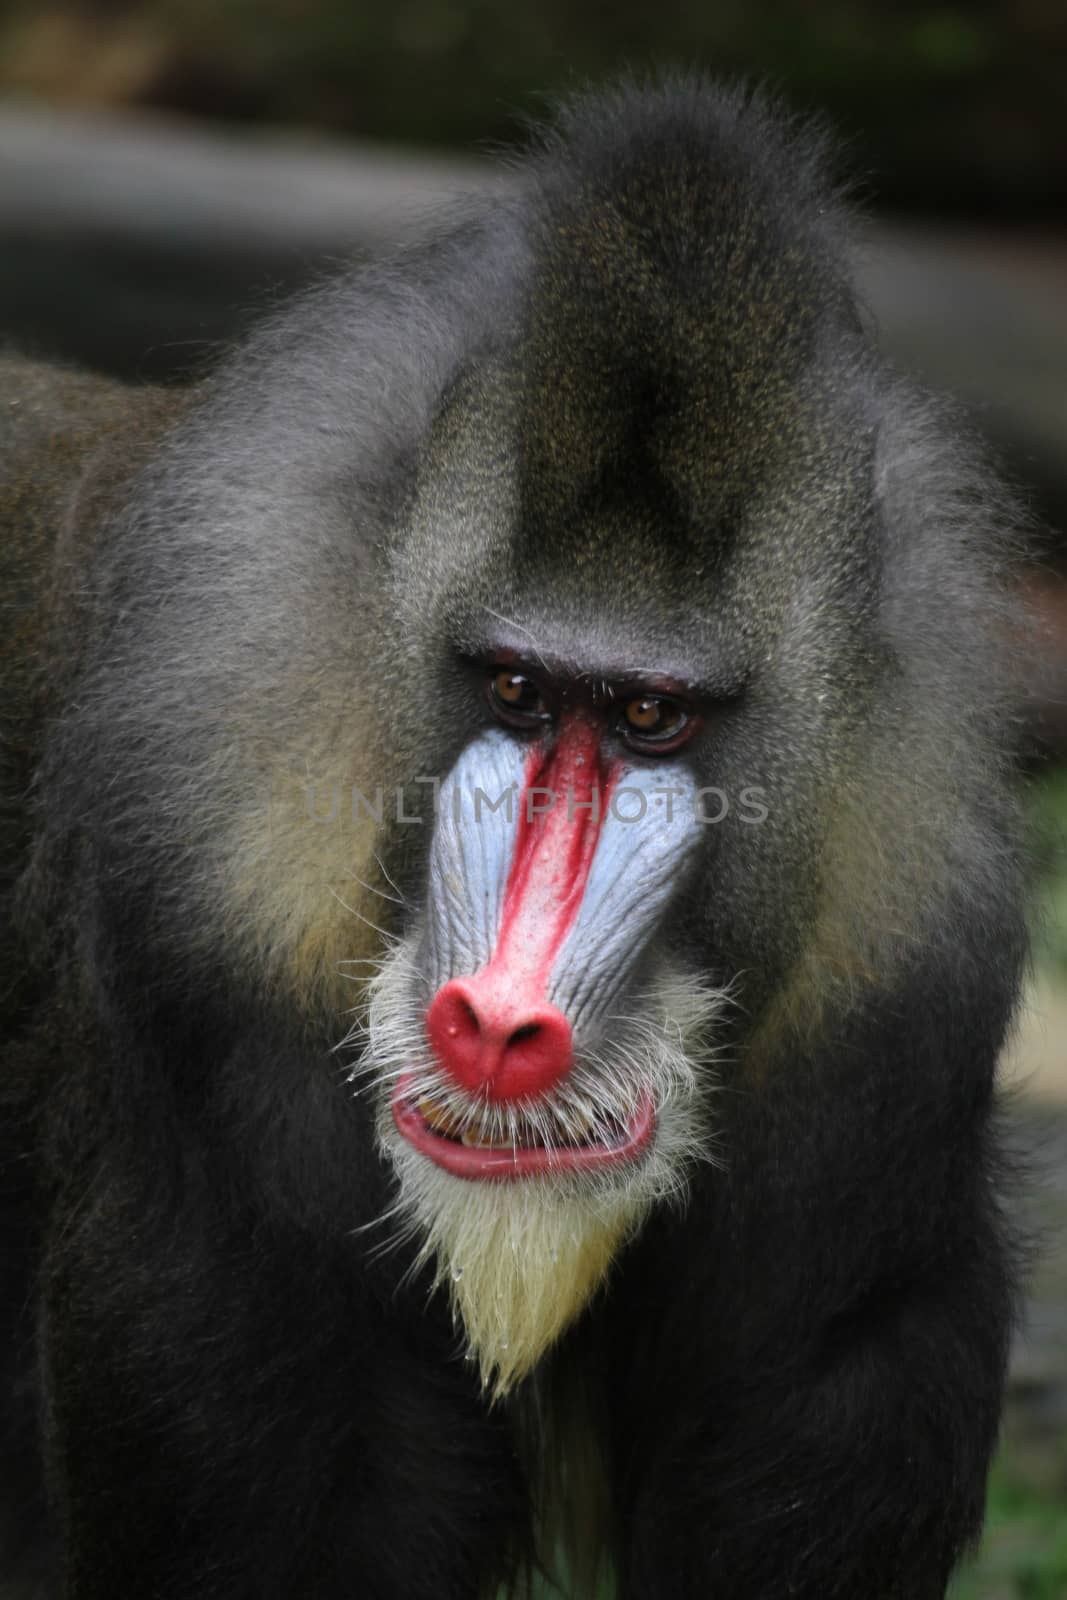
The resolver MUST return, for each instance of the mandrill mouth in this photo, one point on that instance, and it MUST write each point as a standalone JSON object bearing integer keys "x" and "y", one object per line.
{"x": 537, "y": 1143}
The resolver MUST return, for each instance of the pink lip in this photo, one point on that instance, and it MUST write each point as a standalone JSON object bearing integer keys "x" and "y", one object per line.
{"x": 467, "y": 1161}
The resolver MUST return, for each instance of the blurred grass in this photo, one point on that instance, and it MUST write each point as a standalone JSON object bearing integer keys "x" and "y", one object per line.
{"x": 1048, "y": 813}
{"x": 1024, "y": 1551}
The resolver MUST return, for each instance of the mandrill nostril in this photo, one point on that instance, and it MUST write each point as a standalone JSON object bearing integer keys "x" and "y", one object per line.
{"x": 495, "y": 1042}
{"x": 528, "y": 1031}
{"x": 466, "y": 1019}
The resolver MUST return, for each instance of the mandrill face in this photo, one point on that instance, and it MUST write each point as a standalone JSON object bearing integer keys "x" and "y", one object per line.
{"x": 536, "y": 1047}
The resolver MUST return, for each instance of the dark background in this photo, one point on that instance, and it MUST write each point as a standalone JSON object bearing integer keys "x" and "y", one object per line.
{"x": 954, "y": 109}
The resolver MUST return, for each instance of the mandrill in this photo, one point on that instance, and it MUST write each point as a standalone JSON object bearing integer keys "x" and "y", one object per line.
{"x": 511, "y": 908}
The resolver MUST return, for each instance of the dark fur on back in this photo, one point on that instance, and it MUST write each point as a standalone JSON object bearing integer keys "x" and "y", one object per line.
{"x": 631, "y": 409}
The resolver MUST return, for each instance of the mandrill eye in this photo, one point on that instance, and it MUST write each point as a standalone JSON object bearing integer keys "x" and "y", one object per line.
{"x": 651, "y": 722}
{"x": 517, "y": 699}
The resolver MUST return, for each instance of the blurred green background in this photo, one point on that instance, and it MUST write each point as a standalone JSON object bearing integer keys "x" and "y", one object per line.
{"x": 954, "y": 121}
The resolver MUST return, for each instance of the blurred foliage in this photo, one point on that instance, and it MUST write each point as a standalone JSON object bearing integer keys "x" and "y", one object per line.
{"x": 1049, "y": 844}
{"x": 953, "y": 105}
{"x": 1024, "y": 1551}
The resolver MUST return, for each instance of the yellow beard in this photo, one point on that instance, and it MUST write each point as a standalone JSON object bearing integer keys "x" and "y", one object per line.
{"x": 520, "y": 1267}
{"x": 519, "y": 1260}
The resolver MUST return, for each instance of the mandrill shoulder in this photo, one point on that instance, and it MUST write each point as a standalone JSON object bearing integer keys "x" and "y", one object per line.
{"x": 70, "y": 443}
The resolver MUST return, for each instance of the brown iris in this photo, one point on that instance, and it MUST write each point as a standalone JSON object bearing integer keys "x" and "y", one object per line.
{"x": 517, "y": 697}
{"x": 651, "y": 718}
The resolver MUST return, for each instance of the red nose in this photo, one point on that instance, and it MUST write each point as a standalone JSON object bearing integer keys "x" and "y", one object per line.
{"x": 494, "y": 1044}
